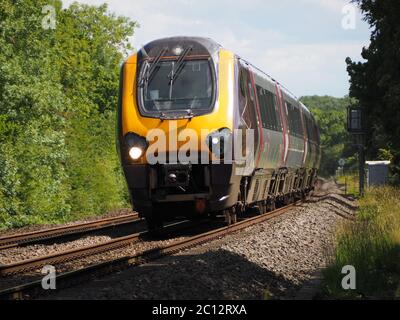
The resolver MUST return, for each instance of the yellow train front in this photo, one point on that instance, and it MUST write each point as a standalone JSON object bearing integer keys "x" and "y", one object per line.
{"x": 184, "y": 104}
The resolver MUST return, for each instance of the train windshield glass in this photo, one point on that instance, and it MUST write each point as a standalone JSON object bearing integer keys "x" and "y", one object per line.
{"x": 171, "y": 87}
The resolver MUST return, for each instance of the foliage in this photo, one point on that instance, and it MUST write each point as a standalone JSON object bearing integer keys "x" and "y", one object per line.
{"x": 96, "y": 181}
{"x": 351, "y": 183}
{"x": 58, "y": 92}
{"x": 372, "y": 246}
{"x": 376, "y": 82}
{"x": 330, "y": 114}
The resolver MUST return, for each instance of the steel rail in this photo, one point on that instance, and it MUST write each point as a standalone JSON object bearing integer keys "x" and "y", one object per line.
{"x": 81, "y": 252}
{"x": 68, "y": 255}
{"x": 58, "y": 232}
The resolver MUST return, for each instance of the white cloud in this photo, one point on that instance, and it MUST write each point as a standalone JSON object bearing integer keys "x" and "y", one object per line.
{"x": 311, "y": 68}
{"x": 334, "y": 5}
{"x": 308, "y": 62}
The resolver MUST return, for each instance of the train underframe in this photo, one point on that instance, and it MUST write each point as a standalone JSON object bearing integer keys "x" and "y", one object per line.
{"x": 166, "y": 192}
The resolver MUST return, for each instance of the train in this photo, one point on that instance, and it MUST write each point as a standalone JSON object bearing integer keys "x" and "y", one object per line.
{"x": 201, "y": 132}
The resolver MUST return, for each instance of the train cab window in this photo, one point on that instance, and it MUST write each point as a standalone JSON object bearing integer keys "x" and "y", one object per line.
{"x": 192, "y": 89}
{"x": 268, "y": 108}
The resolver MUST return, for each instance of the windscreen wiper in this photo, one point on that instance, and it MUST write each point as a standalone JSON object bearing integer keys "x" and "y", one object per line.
{"x": 178, "y": 66}
{"x": 188, "y": 114}
{"x": 147, "y": 77}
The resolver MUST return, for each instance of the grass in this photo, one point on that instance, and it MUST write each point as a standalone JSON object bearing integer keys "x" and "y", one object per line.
{"x": 351, "y": 183}
{"x": 372, "y": 246}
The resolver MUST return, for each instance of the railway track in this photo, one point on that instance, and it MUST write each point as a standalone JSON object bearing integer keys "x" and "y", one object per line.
{"x": 81, "y": 252}
{"x": 67, "y": 278}
{"x": 315, "y": 199}
{"x": 60, "y": 232}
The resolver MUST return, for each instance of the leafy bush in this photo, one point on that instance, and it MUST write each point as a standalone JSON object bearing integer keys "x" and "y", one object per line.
{"x": 97, "y": 184}
{"x": 58, "y": 93}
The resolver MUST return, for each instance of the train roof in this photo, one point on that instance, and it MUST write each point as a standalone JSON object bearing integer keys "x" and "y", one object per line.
{"x": 284, "y": 89}
{"x": 203, "y": 45}
{"x": 200, "y": 45}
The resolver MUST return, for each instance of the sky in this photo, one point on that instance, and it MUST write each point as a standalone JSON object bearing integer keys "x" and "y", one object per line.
{"x": 301, "y": 43}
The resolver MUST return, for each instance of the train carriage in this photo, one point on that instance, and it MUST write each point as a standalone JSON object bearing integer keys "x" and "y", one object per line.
{"x": 191, "y": 84}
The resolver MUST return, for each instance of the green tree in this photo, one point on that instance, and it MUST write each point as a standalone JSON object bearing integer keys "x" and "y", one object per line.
{"x": 58, "y": 92}
{"x": 90, "y": 48}
{"x": 330, "y": 114}
{"x": 32, "y": 148}
{"x": 376, "y": 82}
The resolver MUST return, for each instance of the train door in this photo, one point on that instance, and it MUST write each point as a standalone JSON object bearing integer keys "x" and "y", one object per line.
{"x": 248, "y": 117}
{"x": 283, "y": 114}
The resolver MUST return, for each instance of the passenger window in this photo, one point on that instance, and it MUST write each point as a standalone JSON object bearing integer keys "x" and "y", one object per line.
{"x": 310, "y": 129}
{"x": 268, "y": 107}
{"x": 294, "y": 118}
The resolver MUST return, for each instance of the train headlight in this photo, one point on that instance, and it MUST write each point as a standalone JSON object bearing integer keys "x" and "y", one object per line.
{"x": 177, "y": 51}
{"x": 220, "y": 142}
{"x": 135, "y": 153}
{"x": 136, "y": 145}
{"x": 215, "y": 140}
